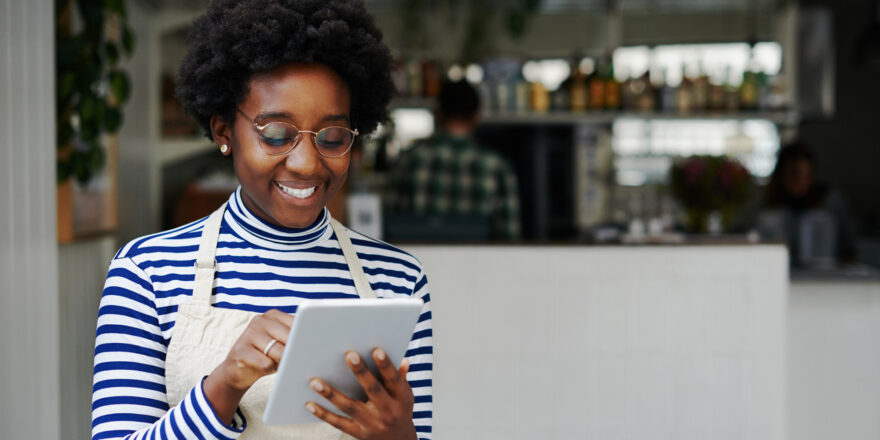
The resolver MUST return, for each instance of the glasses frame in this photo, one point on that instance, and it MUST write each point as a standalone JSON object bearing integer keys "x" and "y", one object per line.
{"x": 259, "y": 129}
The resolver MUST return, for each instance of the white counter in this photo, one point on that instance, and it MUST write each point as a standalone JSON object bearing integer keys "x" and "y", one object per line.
{"x": 609, "y": 343}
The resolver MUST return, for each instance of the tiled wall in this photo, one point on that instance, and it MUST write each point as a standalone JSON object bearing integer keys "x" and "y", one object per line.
{"x": 608, "y": 343}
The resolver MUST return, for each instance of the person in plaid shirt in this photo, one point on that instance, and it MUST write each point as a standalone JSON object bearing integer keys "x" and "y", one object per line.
{"x": 449, "y": 174}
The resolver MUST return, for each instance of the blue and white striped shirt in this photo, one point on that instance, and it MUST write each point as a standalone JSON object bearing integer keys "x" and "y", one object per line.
{"x": 260, "y": 267}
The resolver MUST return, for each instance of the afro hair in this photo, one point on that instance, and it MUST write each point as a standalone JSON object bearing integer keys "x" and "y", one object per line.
{"x": 236, "y": 40}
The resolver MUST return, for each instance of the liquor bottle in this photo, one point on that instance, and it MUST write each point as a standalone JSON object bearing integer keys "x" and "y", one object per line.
{"x": 431, "y": 78}
{"x": 612, "y": 88}
{"x": 701, "y": 92}
{"x": 540, "y": 98}
{"x": 578, "y": 94}
{"x": 684, "y": 94}
{"x": 731, "y": 94}
{"x": 748, "y": 91}
{"x": 597, "y": 87}
{"x": 646, "y": 97}
{"x": 667, "y": 94}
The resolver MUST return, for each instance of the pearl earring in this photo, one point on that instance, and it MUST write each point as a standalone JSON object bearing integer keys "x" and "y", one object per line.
{"x": 224, "y": 148}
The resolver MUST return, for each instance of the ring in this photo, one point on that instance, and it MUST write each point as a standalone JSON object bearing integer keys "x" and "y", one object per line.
{"x": 269, "y": 346}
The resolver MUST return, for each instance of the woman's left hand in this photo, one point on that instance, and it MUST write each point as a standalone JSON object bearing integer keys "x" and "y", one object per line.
{"x": 387, "y": 413}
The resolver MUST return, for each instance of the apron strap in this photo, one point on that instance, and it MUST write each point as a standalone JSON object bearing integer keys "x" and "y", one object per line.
{"x": 354, "y": 264}
{"x": 206, "y": 261}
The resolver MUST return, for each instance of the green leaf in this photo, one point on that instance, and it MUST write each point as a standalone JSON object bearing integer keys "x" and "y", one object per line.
{"x": 65, "y": 134}
{"x": 112, "y": 119}
{"x": 127, "y": 40}
{"x": 66, "y": 85}
{"x": 96, "y": 156}
{"x": 111, "y": 52}
{"x": 119, "y": 85}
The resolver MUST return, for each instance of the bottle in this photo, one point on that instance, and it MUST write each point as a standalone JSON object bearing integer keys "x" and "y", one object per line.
{"x": 578, "y": 93}
{"x": 612, "y": 88}
{"x": 684, "y": 94}
{"x": 646, "y": 97}
{"x": 748, "y": 91}
{"x": 597, "y": 87}
{"x": 731, "y": 94}
{"x": 539, "y": 99}
{"x": 667, "y": 94}
{"x": 701, "y": 92}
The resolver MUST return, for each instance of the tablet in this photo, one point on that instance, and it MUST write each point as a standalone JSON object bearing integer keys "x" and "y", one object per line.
{"x": 322, "y": 331}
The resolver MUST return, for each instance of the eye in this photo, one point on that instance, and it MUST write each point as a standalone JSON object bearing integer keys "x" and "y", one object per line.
{"x": 334, "y": 138}
{"x": 276, "y": 134}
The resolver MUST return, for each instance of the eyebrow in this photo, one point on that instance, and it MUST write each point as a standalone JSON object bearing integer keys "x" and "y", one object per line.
{"x": 286, "y": 115}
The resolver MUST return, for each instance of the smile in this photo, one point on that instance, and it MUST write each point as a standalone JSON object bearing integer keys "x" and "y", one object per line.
{"x": 303, "y": 193}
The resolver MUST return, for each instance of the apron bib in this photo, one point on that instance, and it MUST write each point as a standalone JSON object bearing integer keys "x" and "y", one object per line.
{"x": 204, "y": 334}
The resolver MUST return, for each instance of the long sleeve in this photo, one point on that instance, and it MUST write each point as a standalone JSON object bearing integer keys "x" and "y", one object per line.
{"x": 506, "y": 221}
{"x": 420, "y": 354}
{"x": 128, "y": 397}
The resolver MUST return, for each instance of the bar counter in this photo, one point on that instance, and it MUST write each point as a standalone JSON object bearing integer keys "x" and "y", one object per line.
{"x": 664, "y": 342}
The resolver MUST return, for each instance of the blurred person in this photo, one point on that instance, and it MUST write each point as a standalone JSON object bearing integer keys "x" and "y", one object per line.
{"x": 192, "y": 318}
{"x": 794, "y": 192}
{"x": 451, "y": 175}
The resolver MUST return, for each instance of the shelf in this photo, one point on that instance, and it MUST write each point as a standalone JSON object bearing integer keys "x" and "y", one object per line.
{"x": 173, "y": 150}
{"x": 605, "y": 118}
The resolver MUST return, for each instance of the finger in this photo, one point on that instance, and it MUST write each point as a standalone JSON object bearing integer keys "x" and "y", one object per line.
{"x": 390, "y": 376}
{"x": 343, "y": 424}
{"x": 375, "y": 390}
{"x": 276, "y": 350}
{"x": 347, "y": 405}
{"x": 278, "y": 315}
{"x": 275, "y": 328}
{"x": 404, "y": 368}
{"x": 253, "y": 359}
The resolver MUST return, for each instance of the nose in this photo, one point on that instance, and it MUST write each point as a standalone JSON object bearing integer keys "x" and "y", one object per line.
{"x": 304, "y": 159}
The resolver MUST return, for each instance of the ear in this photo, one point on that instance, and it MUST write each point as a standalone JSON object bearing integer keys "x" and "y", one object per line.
{"x": 221, "y": 132}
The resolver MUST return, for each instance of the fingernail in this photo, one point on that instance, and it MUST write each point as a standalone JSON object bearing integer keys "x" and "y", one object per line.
{"x": 310, "y": 407}
{"x": 316, "y": 385}
{"x": 404, "y": 363}
{"x": 353, "y": 358}
{"x": 380, "y": 354}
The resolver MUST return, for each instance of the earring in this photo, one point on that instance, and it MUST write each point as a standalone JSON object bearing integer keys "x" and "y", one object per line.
{"x": 224, "y": 148}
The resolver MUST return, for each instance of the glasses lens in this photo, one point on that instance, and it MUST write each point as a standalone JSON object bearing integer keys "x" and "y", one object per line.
{"x": 277, "y": 138}
{"x": 334, "y": 141}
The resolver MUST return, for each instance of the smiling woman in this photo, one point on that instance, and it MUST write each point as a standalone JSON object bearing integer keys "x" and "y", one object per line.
{"x": 193, "y": 321}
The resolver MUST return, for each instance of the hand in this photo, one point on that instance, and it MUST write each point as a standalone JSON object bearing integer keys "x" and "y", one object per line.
{"x": 387, "y": 413}
{"x": 246, "y": 362}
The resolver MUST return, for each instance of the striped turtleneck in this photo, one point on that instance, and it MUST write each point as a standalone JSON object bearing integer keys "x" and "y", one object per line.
{"x": 260, "y": 267}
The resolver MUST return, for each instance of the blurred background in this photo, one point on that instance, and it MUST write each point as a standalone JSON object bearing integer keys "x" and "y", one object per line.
{"x": 636, "y": 126}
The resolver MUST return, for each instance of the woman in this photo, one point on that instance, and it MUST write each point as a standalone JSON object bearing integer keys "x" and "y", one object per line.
{"x": 794, "y": 191}
{"x": 193, "y": 321}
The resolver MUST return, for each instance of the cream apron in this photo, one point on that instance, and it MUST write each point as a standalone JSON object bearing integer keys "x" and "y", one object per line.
{"x": 204, "y": 334}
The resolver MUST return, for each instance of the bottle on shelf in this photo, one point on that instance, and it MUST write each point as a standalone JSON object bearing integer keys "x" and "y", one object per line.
{"x": 578, "y": 89}
{"x": 684, "y": 93}
{"x": 701, "y": 92}
{"x": 748, "y": 91}
{"x": 612, "y": 87}
{"x": 596, "y": 82}
{"x": 431, "y": 78}
{"x": 539, "y": 99}
{"x": 667, "y": 94}
{"x": 731, "y": 94}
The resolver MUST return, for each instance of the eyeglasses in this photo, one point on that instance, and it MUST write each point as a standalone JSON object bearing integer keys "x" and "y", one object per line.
{"x": 277, "y": 138}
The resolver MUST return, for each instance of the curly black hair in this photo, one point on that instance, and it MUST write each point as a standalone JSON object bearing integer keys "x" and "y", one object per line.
{"x": 235, "y": 40}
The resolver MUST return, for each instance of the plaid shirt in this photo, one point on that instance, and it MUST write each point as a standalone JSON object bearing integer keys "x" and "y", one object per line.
{"x": 453, "y": 175}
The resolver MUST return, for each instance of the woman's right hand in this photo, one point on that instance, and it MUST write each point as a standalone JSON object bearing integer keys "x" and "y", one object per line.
{"x": 246, "y": 362}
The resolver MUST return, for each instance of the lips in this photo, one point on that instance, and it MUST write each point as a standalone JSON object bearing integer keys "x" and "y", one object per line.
{"x": 300, "y": 193}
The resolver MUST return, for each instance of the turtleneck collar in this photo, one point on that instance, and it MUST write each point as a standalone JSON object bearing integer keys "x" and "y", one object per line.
{"x": 255, "y": 230}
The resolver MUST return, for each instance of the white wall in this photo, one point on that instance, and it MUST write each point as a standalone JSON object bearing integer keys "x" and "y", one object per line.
{"x": 834, "y": 360}
{"x": 29, "y": 339}
{"x": 608, "y": 343}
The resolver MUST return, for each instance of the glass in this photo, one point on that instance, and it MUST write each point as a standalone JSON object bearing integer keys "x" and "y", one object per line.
{"x": 277, "y": 138}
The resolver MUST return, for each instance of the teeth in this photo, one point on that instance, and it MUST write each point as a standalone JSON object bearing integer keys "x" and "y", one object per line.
{"x": 298, "y": 193}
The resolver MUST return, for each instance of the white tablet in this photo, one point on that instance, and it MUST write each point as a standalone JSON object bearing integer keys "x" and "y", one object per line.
{"x": 322, "y": 331}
